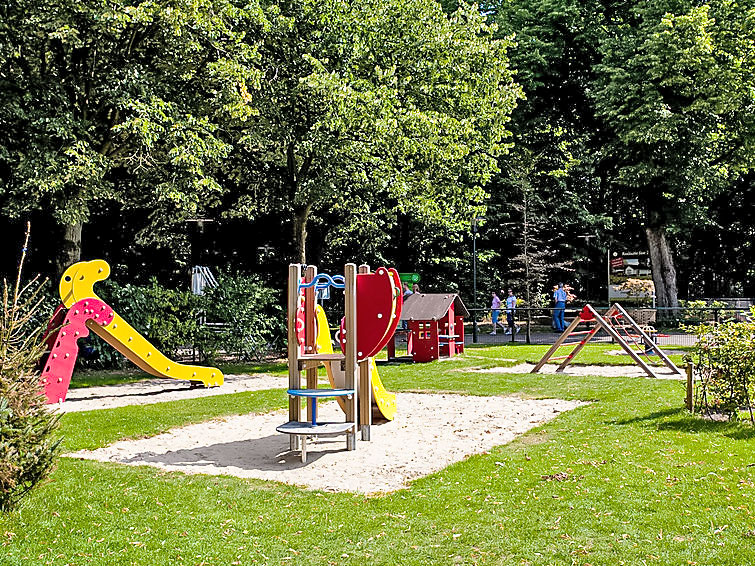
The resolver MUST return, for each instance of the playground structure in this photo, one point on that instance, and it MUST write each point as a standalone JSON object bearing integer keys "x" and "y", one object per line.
{"x": 435, "y": 327}
{"x": 372, "y": 307}
{"x": 616, "y": 322}
{"x": 80, "y": 311}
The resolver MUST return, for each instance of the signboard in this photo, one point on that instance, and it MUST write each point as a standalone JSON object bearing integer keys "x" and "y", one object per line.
{"x": 409, "y": 277}
{"x": 630, "y": 277}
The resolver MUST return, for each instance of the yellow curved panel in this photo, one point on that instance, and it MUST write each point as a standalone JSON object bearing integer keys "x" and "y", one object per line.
{"x": 77, "y": 283}
{"x": 384, "y": 400}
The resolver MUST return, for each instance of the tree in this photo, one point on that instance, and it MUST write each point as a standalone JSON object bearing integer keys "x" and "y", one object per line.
{"x": 372, "y": 109}
{"x": 656, "y": 101}
{"x": 676, "y": 90}
{"x": 27, "y": 426}
{"x": 118, "y": 101}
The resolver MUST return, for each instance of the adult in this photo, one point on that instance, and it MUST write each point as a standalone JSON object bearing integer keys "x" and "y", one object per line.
{"x": 495, "y": 308}
{"x": 407, "y": 291}
{"x": 510, "y": 311}
{"x": 559, "y": 303}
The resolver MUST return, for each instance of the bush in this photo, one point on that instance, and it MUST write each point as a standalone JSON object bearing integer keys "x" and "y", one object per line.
{"x": 239, "y": 319}
{"x": 166, "y": 317}
{"x": 27, "y": 443}
{"x": 724, "y": 357}
{"x": 244, "y": 319}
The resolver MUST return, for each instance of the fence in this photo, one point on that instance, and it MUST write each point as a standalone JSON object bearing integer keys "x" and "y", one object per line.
{"x": 534, "y": 324}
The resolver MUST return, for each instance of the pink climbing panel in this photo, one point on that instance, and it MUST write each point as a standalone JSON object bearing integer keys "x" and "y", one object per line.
{"x": 56, "y": 375}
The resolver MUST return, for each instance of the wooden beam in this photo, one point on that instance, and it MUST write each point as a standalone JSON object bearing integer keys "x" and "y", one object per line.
{"x": 294, "y": 375}
{"x": 593, "y": 331}
{"x": 350, "y": 324}
{"x": 648, "y": 340}
{"x": 557, "y": 344}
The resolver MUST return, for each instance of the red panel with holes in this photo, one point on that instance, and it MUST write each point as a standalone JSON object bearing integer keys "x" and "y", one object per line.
{"x": 57, "y": 371}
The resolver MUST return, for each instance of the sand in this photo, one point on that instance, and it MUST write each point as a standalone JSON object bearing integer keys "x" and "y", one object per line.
{"x": 431, "y": 431}
{"x": 573, "y": 369}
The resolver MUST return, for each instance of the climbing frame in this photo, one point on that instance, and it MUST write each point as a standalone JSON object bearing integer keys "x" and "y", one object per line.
{"x": 617, "y": 323}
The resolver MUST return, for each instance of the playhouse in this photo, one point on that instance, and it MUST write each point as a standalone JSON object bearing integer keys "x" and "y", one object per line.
{"x": 434, "y": 327}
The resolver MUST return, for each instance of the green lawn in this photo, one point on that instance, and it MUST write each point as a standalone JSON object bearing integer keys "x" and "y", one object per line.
{"x": 95, "y": 378}
{"x": 628, "y": 479}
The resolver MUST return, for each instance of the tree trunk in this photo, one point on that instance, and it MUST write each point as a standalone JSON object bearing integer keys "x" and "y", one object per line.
{"x": 664, "y": 273}
{"x": 70, "y": 251}
{"x": 301, "y": 216}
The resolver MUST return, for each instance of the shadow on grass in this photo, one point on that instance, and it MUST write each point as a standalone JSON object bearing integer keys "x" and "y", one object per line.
{"x": 651, "y": 416}
{"x": 679, "y": 420}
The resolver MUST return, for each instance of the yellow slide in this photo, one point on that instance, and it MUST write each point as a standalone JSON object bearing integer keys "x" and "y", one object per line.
{"x": 77, "y": 284}
{"x": 384, "y": 400}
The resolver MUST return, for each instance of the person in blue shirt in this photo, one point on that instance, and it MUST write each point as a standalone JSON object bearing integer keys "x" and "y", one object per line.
{"x": 559, "y": 299}
{"x": 510, "y": 310}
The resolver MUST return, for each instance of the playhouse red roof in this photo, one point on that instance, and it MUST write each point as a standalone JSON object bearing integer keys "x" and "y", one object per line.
{"x": 432, "y": 306}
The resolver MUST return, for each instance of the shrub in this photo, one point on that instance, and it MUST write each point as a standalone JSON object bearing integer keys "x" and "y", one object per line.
{"x": 166, "y": 317}
{"x": 245, "y": 319}
{"x": 241, "y": 319}
{"x": 27, "y": 443}
{"x": 724, "y": 357}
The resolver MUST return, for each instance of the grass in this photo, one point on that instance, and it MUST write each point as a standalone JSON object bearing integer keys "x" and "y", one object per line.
{"x": 96, "y": 378}
{"x": 628, "y": 479}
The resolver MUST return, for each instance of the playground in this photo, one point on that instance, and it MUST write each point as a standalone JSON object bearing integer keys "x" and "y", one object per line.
{"x": 586, "y": 485}
{"x": 496, "y": 454}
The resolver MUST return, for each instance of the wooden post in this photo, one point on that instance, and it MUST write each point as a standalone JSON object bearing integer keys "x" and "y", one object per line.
{"x": 365, "y": 386}
{"x": 310, "y": 340}
{"x": 294, "y": 375}
{"x": 690, "y": 387}
{"x": 350, "y": 312}
{"x": 557, "y": 344}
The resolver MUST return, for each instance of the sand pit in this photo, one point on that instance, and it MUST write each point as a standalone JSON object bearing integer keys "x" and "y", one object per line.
{"x": 151, "y": 391}
{"x": 430, "y": 432}
{"x": 574, "y": 369}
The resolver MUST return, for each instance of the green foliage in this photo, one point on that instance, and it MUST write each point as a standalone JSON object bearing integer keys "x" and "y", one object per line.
{"x": 248, "y": 323}
{"x": 27, "y": 443}
{"x": 166, "y": 317}
{"x": 370, "y": 109}
{"x": 239, "y": 319}
{"x": 724, "y": 358}
{"x": 119, "y": 100}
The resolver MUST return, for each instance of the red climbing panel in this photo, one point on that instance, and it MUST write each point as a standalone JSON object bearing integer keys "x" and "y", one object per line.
{"x": 58, "y": 369}
{"x": 376, "y": 304}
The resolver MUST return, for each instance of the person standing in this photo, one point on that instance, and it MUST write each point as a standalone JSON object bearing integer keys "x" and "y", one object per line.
{"x": 510, "y": 311}
{"x": 559, "y": 300}
{"x": 407, "y": 291}
{"x": 495, "y": 308}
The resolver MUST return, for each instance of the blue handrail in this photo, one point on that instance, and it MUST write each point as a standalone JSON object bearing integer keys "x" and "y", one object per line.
{"x": 323, "y": 281}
